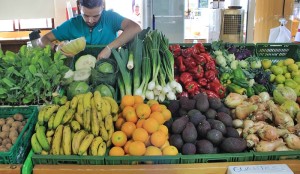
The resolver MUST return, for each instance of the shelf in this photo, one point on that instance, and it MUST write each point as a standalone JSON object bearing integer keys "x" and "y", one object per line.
{"x": 10, "y": 169}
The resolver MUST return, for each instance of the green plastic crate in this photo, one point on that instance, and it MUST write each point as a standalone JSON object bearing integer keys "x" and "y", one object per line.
{"x": 135, "y": 160}
{"x": 27, "y": 167}
{"x": 18, "y": 152}
{"x": 278, "y": 155}
{"x": 67, "y": 159}
{"x": 277, "y": 51}
{"x": 214, "y": 158}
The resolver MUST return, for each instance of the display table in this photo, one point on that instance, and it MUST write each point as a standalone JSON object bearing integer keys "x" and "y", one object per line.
{"x": 10, "y": 169}
{"x": 203, "y": 168}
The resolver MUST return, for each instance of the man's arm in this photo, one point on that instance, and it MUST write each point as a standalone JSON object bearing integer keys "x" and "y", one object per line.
{"x": 130, "y": 29}
{"x": 47, "y": 39}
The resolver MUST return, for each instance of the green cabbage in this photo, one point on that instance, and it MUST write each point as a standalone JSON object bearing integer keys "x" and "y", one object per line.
{"x": 77, "y": 88}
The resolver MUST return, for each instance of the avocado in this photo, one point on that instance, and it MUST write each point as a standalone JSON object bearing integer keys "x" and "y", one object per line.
{"x": 224, "y": 118}
{"x": 182, "y": 112}
{"x": 214, "y": 136}
{"x": 216, "y": 124}
{"x": 188, "y": 149}
{"x": 202, "y": 128}
{"x": 169, "y": 124}
{"x": 202, "y": 103}
{"x": 204, "y": 147}
{"x": 210, "y": 113}
{"x": 199, "y": 95}
{"x": 174, "y": 106}
{"x": 179, "y": 124}
{"x": 176, "y": 140}
{"x": 189, "y": 133}
{"x": 233, "y": 145}
{"x": 224, "y": 109}
{"x": 195, "y": 116}
{"x": 214, "y": 103}
{"x": 186, "y": 103}
{"x": 232, "y": 132}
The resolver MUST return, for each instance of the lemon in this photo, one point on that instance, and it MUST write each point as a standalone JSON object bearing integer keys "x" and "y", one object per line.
{"x": 280, "y": 79}
{"x": 280, "y": 63}
{"x": 292, "y": 67}
{"x": 287, "y": 75}
{"x": 277, "y": 70}
{"x": 280, "y": 85}
{"x": 289, "y": 61}
{"x": 266, "y": 63}
{"x": 272, "y": 77}
{"x": 285, "y": 69}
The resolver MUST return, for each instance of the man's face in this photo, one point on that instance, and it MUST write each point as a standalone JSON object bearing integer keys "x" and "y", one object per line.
{"x": 91, "y": 16}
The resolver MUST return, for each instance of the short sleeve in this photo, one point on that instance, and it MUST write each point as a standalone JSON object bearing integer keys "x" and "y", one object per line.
{"x": 115, "y": 19}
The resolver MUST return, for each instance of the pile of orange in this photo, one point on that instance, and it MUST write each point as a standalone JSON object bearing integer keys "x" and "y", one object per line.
{"x": 140, "y": 129}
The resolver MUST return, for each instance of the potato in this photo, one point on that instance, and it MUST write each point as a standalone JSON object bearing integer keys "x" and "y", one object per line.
{"x": 5, "y": 128}
{"x": 0, "y": 141}
{"x": 20, "y": 128}
{"x": 13, "y": 134}
{"x": 13, "y": 140}
{"x": 3, "y": 149}
{"x": 18, "y": 117}
{"x": 16, "y": 124}
{"x": 4, "y": 135}
{"x": 9, "y": 120}
{"x": 8, "y": 146}
{"x": 2, "y": 121}
{"x": 6, "y": 141}
{"x": 24, "y": 122}
{"x": 13, "y": 129}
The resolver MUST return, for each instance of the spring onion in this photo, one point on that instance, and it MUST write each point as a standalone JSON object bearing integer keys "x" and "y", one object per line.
{"x": 130, "y": 61}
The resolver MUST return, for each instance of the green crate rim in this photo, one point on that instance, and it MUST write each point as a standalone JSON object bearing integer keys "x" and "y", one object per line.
{"x": 67, "y": 159}
{"x": 276, "y": 155}
{"x": 10, "y": 156}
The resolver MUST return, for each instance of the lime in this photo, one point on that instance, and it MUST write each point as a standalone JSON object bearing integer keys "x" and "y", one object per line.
{"x": 272, "y": 77}
{"x": 287, "y": 75}
{"x": 292, "y": 67}
{"x": 266, "y": 63}
{"x": 289, "y": 61}
{"x": 280, "y": 63}
{"x": 285, "y": 69}
{"x": 280, "y": 79}
{"x": 277, "y": 70}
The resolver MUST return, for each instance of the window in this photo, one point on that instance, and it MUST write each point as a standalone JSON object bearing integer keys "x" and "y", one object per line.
{"x": 26, "y": 24}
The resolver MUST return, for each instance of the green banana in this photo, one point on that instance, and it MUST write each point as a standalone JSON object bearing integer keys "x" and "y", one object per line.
{"x": 50, "y": 121}
{"x": 36, "y": 147}
{"x": 59, "y": 116}
{"x": 41, "y": 137}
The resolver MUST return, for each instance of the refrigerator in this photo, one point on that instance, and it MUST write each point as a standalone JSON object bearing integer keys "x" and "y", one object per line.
{"x": 166, "y": 16}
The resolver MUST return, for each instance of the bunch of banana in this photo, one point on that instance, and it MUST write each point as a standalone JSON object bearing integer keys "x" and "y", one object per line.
{"x": 82, "y": 126}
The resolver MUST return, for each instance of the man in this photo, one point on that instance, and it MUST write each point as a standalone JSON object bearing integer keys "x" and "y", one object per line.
{"x": 98, "y": 26}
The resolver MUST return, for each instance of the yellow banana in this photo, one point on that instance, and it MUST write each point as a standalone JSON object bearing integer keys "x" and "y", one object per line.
{"x": 95, "y": 144}
{"x": 78, "y": 137}
{"x": 108, "y": 122}
{"x": 115, "y": 117}
{"x": 44, "y": 152}
{"x": 74, "y": 102}
{"x": 59, "y": 116}
{"x": 66, "y": 140}
{"x": 85, "y": 144}
{"x": 87, "y": 119}
{"x": 93, "y": 106}
{"x": 75, "y": 126}
{"x": 41, "y": 137}
{"x": 67, "y": 104}
{"x": 41, "y": 115}
{"x": 101, "y": 149}
{"x": 103, "y": 133}
{"x": 87, "y": 100}
{"x": 80, "y": 106}
{"x": 94, "y": 123}
{"x": 79, "y": 118}
{"x": 106, "y": 108}
{"x": 49, "y": 139}
{"x": 108, "y": 143}
{"x": 110, "y": 132}
{"x": 36, "y": 147}
{"x": 114, "y": 105}
{"x": 50, "y": 110}
{"x": 50, "y": 133}
{"x": 56, "y": 141}
{"x": 61, "y": 151}
{"x": 68, "y": 116}
{"x": 97, "y": 99}
{"x": 99, "y": 115}
{"x": 50, "y": 121}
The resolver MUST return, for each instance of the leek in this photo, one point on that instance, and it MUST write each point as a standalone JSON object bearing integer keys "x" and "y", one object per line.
{"x": 130, "y": 61}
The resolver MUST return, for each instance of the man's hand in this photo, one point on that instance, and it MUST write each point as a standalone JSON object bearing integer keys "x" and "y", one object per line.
{"x": 105, "y": 53}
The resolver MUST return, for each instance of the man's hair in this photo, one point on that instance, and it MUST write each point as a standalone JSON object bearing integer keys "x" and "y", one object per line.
{"x": 91, "y": 3}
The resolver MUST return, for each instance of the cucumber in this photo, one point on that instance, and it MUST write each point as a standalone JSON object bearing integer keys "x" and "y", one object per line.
{"x": 85, "y": 62}
{"x": 82, "y": 75}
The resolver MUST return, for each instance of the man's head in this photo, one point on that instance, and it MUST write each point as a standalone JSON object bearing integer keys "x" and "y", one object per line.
{"x": 91, "y": 11}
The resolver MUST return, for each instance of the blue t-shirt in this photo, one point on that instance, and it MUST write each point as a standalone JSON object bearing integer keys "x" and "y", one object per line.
{"x": 104, "y": 32}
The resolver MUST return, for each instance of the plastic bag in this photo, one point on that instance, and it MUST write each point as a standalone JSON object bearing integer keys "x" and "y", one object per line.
{"x": 280, "y": 34}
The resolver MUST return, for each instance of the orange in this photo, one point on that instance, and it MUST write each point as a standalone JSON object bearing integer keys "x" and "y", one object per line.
{"x": 128, "y": 128}
{"x": 137, "y": 148}
{"x": 119, "y": 138}
{"x": 151, "y": 102}
{"x": 127, "y": 109}
{"x": 158, "y": 116}
{"x": 143, "y": 110}
{"x": 129, "y": 114}
{"x": 148, "y": 142}
{"x": 138, "y": 99}
{"x": 167, "y": 114}
{"x": 164, "y": 129}
{"x": 140, "y": 134}
{"x": 126, "y": 146}
{"x": 162, "y": 106}
{"x": 155, "y": 107}
{"x": 119, "y": 122}
{"x": 140, "y": 123}
{"x": 116, "y": 151}
{"x": 153, "y": 151}
{"x": 158, "y": 139}
{"x": 127, "y": 100}
{"x": 150, "y": 125}
{"x": 170, "y": 150}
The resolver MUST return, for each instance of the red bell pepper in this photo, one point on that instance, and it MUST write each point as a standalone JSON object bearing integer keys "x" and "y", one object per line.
{"x": 199, "y": 48}
{"x": 180, "y": 64}
{"x": 202, "y": 82}
{"x": 210, "y": 75}
{"x": 187, "y": 52}
{"x": 186, "y": 78}
{"x": 210, "y": 65}
{"x": 199, "y": 59}
{"x": 189, "y": 63}
{"x": 217, "y": 88}
{"x": 210, "y": 93}
{"x": 191, "y": 87}
{"x": 175, "y": 49}
{"x": 197, "y": 72}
